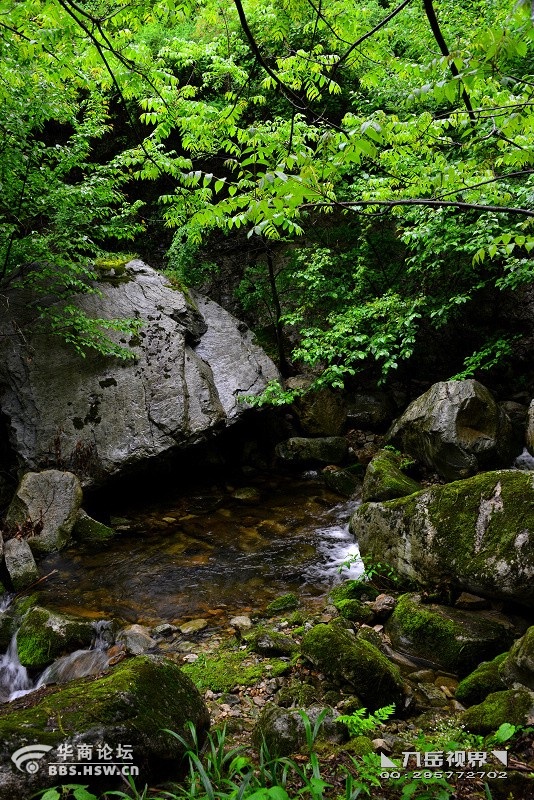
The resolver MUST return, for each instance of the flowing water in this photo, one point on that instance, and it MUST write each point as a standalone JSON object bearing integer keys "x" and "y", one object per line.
{"x": 209, "y": 555}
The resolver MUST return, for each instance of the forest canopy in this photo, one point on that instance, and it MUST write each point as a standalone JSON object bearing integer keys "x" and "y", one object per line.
{"x": 377, "y": 158}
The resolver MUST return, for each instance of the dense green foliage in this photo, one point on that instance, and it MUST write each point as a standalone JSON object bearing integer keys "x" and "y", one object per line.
{"x": 378, "y": 158}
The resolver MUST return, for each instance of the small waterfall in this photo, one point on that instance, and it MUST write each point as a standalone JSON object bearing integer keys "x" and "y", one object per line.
{"x": 15, "y": 681}
{"x": 14, "y": 678}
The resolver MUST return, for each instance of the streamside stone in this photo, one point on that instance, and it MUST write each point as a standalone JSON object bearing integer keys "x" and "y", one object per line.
{"x": 345, "y": 659}
{"x": 44, "y": 635}
{"x": 453, "y": 639}
{"x": 134, "y": 704}
{"x": 323, "y": 450}
{"x": 45, "y": 507}
{"x": 283, "y": 730}
{"x": 384, "y": 478}
{"x": 20, "y": 563}
{"x": 476, "y": 535}
{"x": 90, "y": 531}
{"x": 517, "y": 669}
{"x": 193, "y": 364}
{"x": 456, "y": 428}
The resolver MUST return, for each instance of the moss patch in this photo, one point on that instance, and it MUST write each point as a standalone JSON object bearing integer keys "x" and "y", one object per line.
{"x": 353, "y": 590}
{"x": 346, "y": 659}
{"x": 230, "y": 667}
{"x": 286, "y": 602}
{"x": 385, "y": 480}
{"x": 481, "y": 682}
{"x": 354, "y": 610}
{"x": 44, "y": 635}
{"x": 456, "y": 640}
{"x": 515, "y": 706}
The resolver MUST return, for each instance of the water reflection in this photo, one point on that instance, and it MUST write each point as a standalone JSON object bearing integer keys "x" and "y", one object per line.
{"x": 188, "y": 557}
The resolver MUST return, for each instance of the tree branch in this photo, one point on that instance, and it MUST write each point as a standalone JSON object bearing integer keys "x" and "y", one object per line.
{"x": 416, "y": 201}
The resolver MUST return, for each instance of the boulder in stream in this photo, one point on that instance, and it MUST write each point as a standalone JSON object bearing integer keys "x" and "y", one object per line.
{"x": 131, "y": 706}
{"x": 456, "y": 428}
{"x": 476, "y": 534}
{"x": 193, "y": 364}
{"x": 20, "y": 563}
{"x": 45, "y": 508}
{"x": 44, "y": 635}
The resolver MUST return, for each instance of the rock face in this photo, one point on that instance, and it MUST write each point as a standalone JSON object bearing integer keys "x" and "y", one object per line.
{"x": 131, "y": 705}
{"x": 453, "y": 639}
{"x": 100, "y": 416}
{"x": 44, "y": 635}
{"x": 455, "y": 428}
{"x": 49, "y": 502}
{"x": 475, "y": 534}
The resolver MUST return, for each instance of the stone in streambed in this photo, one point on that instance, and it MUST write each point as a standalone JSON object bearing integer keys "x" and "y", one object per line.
{"x": 90, "y": 531}
{"x": 44, "y": 635}
{"x": 48, "y": 502}
{"x": 20, "y": 563}
{"x": 385, "y": 480}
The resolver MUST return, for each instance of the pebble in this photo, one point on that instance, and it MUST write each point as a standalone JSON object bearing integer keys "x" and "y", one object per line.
{"x": 242, "y": 623}
{"x": 193, "y": 626}
{"x": 190, "y": 658}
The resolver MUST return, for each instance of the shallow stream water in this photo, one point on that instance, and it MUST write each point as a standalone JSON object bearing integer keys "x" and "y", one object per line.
{"x": 209, "y": 555}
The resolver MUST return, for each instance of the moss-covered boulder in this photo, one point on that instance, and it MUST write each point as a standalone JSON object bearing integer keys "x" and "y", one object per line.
{"x": 282, "y": 730}
{"x": 484, "y": 680}
{"x": 44, "y": 635}
{"x": 476, "y": 534}
{"x": 343, "y": 480}
{"x": 515, "y": 706}
{"x": 20, "y": 563}
{"x": 268, "y": 642}
{"x": 456, "y": 428}
{"x": 90, "y": 531}
{"x": 385, "y": 480}
{"x": 454, "y": 639}
{"x": 355, "y": 610}
{"x": 517, "y": 669}
{"x": 131, "y": 705}
{"x": 345, "y": 659}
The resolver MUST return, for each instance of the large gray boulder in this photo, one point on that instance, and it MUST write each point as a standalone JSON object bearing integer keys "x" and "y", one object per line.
{"x": 456, "y": 428}
{"x": 99, "y": 416}
{"x": 476, "y": 534}
{"x": 45, "y": 508}
{"x": 130, "y": 708}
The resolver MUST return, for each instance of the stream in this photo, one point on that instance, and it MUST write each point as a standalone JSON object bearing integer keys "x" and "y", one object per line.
{"x": 221, "y": 552}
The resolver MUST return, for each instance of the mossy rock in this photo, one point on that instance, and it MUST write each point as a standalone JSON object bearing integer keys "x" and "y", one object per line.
{"x": 297, "y": 693}
{"x": 345, "y": 659}
{"x": 269, "y": 642}
{"x": 90, "y": 531}
{"x": 282, "y": 730}
{"x": 515, "y": 706}
{"x": 518, "y": 667}
{"x": 359, "y": 746}
{"x": 475, "y": 534}
{"x": 353, "y": 590}
{"x": 354, "y": 610}
{"x": 385, "y": 480}
{"x": 343, "y": 480}
{"x": 454, "y": 639}
{"x": 133, "y": 704}
{"x": 229, "y": 667}
{"x": 44, "y": 635}
{"x": 484, "y": 680}
{"x": 286, "y": 602}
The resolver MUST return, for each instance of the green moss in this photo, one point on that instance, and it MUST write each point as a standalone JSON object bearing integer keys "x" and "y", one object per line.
{"x": 385, "y": 480}
{"x": 359, "y": 746}
{"x": 515, "y": 706}
{"x": 44, "y": 635}
{"x": 483, "y": 680}
{"x": 270, "y": 642}
{"x": 353, "y": 590}
{"x": 286, "y": 602}
{"x": 456, "y": 640}
{"x": 90, "y": 531}
{"x": 298, "y": 694}
{"x": 346, "y": 659}
{"x": 230, "y": 667}
{"x": 126, "y": 697}
{"x": 354, "y": 610}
